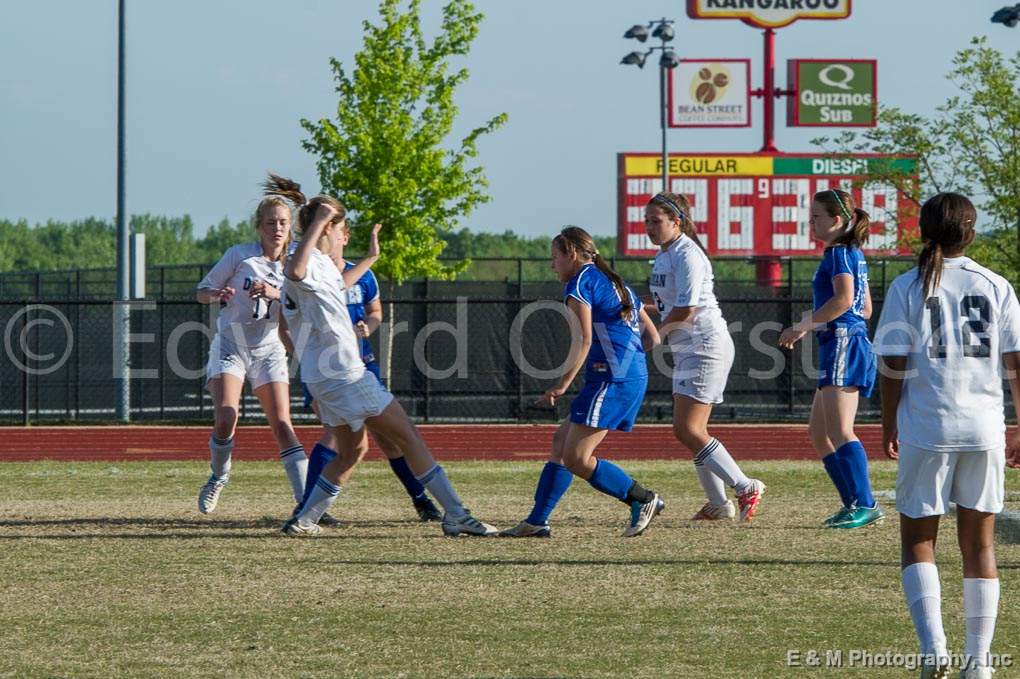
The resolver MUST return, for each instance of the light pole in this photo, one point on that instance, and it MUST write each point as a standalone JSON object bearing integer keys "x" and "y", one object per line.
{"x": 121, "y": 317}
{"x": 663, "y": 30}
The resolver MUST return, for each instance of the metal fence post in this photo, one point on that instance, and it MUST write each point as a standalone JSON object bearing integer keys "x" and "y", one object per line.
{"x": 77, "y": 359}
{"x": 427, "y": 406}
{"x": 516, "y": 374}
{"x": 162, "y": 342}
{"x": 25, "y": 382}
{"x": 791, "y": 390}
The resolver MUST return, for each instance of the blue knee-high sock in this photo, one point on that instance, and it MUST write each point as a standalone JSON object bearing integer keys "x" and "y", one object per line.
{"x": 552, "y": 484}
{"x": 317, "y": 461}
{"x": 836, "y": 474}
{"x": 853, "y": 462}
{"x": 611, "y": 480}
{"x": 411, "y": 485}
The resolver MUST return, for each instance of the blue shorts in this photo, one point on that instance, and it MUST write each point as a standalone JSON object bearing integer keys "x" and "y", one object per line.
{"x": 846, "y": 359}
{"x": 609, "y": 405}
{"x": 372, "y": 367}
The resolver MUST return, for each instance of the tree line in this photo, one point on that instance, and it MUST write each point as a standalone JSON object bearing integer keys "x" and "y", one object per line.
{"x": 91, "y": 243}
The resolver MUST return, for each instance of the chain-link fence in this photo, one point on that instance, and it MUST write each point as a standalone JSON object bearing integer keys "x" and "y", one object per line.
{"x": 480, "y": 349}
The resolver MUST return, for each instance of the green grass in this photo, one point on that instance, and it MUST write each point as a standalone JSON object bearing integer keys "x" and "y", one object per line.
{"x": 109, "y": 571}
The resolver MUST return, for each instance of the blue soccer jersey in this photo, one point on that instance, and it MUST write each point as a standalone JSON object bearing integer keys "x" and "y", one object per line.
{"x": 358, "y": 295}
{"x": 836, "y": 260}
{"x": 616, "y": 353}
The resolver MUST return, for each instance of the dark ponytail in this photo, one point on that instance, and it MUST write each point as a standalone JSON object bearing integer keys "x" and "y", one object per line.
{"x": 290, "y": 190}
{"x": 947, "y": 225}
{"x": 679, "y": 208}
{"x": 577, "y": 240}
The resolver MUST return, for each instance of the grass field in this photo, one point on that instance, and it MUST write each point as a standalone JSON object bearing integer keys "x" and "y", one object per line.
{"x": 109, "y": 571}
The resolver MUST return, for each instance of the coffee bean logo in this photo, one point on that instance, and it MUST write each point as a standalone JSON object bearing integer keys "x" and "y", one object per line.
{"x": 710, "y": 84}
{"x": 705, "y": 94}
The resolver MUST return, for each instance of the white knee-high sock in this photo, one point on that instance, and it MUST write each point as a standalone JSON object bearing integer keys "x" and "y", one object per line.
{"x": 715, "y": 456}
{"x": 436, "y": 482}
{"x": 296, "y": 465}
{"x": 923, "y": 592}
{"x": 219, "y": 456}
{"x": 323, "y": 495}
{"x": 980, "y": 607}
{"x": 715, "y": 489}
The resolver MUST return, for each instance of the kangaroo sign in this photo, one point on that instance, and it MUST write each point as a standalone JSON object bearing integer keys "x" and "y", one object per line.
{"x": 768, "y": 13}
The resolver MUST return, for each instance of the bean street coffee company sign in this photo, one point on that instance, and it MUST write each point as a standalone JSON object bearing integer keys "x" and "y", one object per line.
{"x": 768, "y": 13}
{"x": 832, "y": 93}
{"x": 710, "y": 93}
{"x": 758, "y": 204}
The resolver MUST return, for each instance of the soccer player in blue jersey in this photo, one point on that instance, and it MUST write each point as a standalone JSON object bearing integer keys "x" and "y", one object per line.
{"x": 365, "y": 310}
{"x": 842, "y": 307}
{"x": 615, "y": 333}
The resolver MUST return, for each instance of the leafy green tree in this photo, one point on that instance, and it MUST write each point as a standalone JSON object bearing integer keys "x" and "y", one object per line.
{"x": 384, "y": 152}
{"x": 970, "y": 144}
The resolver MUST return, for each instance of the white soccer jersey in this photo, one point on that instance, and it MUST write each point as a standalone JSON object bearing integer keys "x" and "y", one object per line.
{"x": 246, "y": 321}
{"x": 953, "y": 341}
{"x": 316, "y": 312}
{"x": 682, "y": 277}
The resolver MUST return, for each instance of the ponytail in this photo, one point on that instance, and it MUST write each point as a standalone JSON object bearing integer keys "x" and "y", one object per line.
{"x": 626, "y": 304}
{"x": 929, "y": 267}
{"x": 290, "y": 190}
{"x": 947, "y": 225}
{"x": 577, "y": 240}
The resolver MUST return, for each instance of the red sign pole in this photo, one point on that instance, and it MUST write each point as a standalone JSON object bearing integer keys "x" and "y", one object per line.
{"x": 769, "y": 93}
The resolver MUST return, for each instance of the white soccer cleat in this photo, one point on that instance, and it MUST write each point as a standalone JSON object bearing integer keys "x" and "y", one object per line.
{"x": 641, "y": 514}
{"x": 466, "y": 525}
{"x": 294, "y": 528}
{"x": 711, "y": 512}
{"x": 750, "y": 499}
{"x": 209, "y": 496}
{"x": 977, "y": 673}
{"x": 526, "y": 530}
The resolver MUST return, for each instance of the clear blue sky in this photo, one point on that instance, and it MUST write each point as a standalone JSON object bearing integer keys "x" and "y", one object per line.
{"x": 216, "y": 89}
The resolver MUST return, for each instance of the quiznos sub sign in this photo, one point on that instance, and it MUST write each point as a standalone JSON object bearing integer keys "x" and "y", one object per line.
{"x": 829, "y": 93}
{"x": 768, "y": 13}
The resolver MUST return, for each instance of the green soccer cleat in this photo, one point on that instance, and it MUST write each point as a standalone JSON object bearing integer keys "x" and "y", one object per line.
{"x": 837, "y": 517}
{"x": 861, "y": 517}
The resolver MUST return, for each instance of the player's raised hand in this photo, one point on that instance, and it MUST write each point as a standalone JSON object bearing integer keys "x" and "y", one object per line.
{"x": 373, "y": 242}
{"x": 325, "y": 213}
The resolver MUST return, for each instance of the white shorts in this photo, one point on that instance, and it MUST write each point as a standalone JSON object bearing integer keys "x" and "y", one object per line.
{"x": 351, "y": 403}
{"x": 261, "y": 365}
{"x": 928, "y": 480}
{"x": 702, "y": 366}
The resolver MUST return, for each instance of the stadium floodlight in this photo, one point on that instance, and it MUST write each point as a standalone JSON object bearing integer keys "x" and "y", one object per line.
{"x": 638, "y": 32}
{"x": 664, "y": 31}
{"x": 669, "y": 59}
{"x": 635, "y": 59}
{"x": 1007, "y": 16}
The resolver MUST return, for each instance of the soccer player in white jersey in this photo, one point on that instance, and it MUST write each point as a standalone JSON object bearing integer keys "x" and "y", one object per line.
{"x": 947, "y": 330}
{"x": 349, "y": 397}
{"x": 682, "y": 288}
{"x": 246, "y": 284}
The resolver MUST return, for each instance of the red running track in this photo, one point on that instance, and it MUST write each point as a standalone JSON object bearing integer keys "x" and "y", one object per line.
{"x": 448, "y": 442}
